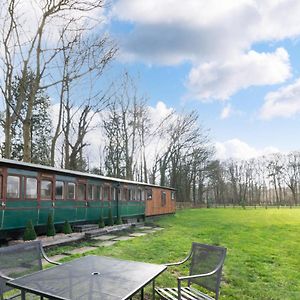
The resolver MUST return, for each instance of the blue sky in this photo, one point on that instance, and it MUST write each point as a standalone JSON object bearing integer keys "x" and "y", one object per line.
{"x": 236, "y": 62}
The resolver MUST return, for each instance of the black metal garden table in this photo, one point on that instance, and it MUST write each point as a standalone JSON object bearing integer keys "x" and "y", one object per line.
{"x": 90, "y": 277}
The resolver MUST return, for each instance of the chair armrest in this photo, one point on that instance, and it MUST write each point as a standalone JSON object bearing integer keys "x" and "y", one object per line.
{"x": 202, "y": 275}
{"x": 180, "y": 262}
{"x": 48, "y": 259}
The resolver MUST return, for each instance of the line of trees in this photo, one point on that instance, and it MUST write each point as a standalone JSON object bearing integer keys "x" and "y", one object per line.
{"x": 272, "y": 180}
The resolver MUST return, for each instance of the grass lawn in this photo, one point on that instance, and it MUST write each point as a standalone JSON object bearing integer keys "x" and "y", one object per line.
{"x": 263, "y": 258}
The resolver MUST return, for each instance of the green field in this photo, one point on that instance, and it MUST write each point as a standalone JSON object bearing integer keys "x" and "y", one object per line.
{"x": 263, "y": 259}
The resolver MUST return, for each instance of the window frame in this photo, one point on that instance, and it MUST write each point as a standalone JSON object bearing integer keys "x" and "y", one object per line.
{"x": 163, "y": 199}
{"x": 51, "y": 190}
{"x": 85, "y": 191}
{"x": 63, "y": 190}
{"x": 19, "y": 191}
{"x": 106, "y": 188}
{"x": 69, "y": 183}
{"x": 90, "y": 186}
{"x": 149, "y": 194}
{"x": 1, "y": 186}
{"x": 173, "y": 195}
{"x": 25, "y": 190}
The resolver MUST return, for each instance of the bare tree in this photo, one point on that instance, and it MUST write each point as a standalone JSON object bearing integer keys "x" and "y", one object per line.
{"x": 40, "y": 47}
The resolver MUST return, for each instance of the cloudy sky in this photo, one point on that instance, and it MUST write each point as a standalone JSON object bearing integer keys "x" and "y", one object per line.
{"x": 236, "y": 62}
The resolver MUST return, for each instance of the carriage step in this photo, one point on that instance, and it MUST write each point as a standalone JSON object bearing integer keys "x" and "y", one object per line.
{"x": 85, "y": 227}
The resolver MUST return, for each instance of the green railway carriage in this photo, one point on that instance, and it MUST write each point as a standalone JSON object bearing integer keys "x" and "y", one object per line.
{"x": 31, "y": 192}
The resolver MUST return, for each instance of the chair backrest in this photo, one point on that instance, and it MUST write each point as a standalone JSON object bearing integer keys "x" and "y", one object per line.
{"x": 204, "y": 259}
{"x": 19, "y": 260}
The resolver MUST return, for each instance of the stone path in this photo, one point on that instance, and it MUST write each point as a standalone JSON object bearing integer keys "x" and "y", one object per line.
{"x": 108, "y": 240}
{"x": 106, "y": 243}
{"x": 137, "y": 234}
{"x": 149, "y": 231}
{"x": 80, "y": 250}
{"x": 144, "y": 227}
{"x": 124, "y": 238}
{"x": 105, "y": 237}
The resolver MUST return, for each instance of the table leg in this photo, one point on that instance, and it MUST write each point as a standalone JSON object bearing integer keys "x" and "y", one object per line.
{"x": 23, "y": 295}
{"x": 153, "y": 289}
{"x": 142, "y": 294}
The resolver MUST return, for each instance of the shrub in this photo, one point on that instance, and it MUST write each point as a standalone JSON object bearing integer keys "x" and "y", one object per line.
{"x": 119, "y": 221}
{"x": 50, "y": 226}
{"x": 29, "y": 233}
{"x": 101, "y": 222}
{"x": 67, "y": 227}
{"x": 110, "y": 221}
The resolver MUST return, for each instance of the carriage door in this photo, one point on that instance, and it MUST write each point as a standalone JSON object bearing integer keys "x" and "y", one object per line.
{"x": 81, "y": 200}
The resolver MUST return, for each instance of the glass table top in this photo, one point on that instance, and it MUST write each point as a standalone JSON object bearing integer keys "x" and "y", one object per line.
{"x": 90, "y": 277}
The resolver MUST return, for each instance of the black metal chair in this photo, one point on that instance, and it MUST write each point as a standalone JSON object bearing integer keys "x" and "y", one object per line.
{"x": 206, "y": 263}
{"x": 19, "y": 260}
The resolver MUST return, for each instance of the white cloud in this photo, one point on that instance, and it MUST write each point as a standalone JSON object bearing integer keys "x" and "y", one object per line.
{"x": 201, "y": 30}
{"x": 222, "y": 80}
{"x": 214, "y": 36}
{"x": 227, "y": 110}
{"x": 285, "y": 102}
{"x": 237, "y": 149}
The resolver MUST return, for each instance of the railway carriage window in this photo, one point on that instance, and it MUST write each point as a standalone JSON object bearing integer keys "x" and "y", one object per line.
{"x": 125, "y": 194}
{"x": 113, "y": 194}
{"x": 71, "y": 190}
{"x": 142, "y": 195}
{"x": 130, "y": 194}
{"x": 81, "y": 191}
{"x": 173, "y": 196}
{"x": 59, "y": 190}
{"x": 1, "y": 178}
{"x": 31, "y": 188}
{"x": 90, "y": 192}
{"x": 46, "y": 189}
{"x": 96, "y": 192}
{"x": 101, "y": 193}
{"x": 163, "y": 199}
{"x": 13, "y": 187}
{"x": 106, "y": 193}
{"x": 149, "y": 194}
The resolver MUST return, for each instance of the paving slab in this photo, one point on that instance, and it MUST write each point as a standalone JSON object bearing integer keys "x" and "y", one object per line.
{"x": 105, "y": 237}
{"x": 106, "y": 243}
{"x": 80, "y": 250}
{"x": 149, "y": 231}
{"x": 144, "y": 227}
{"x": 157, "y": 228}
{"x": 124, "y": 238}
{"x": 137, "y": 234}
